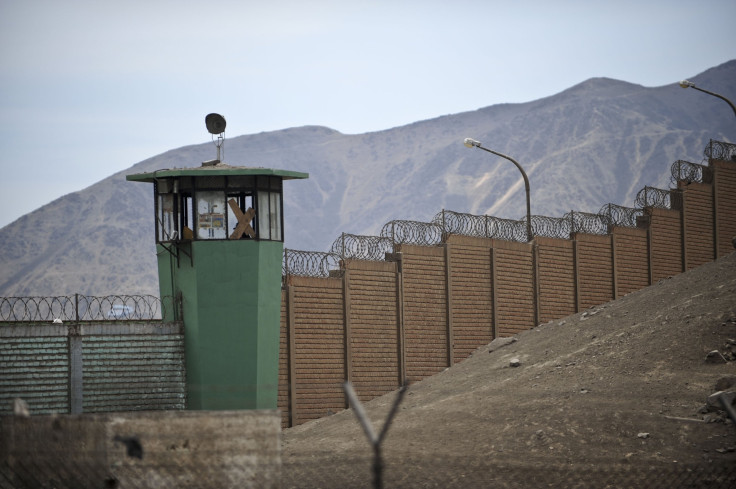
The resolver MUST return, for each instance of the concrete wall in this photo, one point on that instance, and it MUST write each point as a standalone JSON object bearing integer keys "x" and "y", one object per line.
{"x": 92, "y": 367}
{"x": 724, "y": 204}
{"x": 428, "y": 307}
{"x": 471, "y": 290}
{"x": 185, "y": 449}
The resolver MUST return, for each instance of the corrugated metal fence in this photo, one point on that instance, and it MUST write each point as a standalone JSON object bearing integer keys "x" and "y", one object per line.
{"x": 76, "y": 367}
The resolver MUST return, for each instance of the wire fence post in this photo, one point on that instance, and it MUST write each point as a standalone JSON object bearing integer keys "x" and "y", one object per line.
{"x": 375, "y": 440}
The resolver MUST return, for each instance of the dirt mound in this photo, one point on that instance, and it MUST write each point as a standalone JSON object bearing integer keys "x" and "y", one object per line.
{"x": 622, "y": 385}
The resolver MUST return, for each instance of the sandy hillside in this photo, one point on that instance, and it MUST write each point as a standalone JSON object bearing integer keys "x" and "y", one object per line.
{"x": 616, "y": 389}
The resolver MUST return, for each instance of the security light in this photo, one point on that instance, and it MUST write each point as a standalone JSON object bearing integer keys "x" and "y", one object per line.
{"x": 215, "y": 123}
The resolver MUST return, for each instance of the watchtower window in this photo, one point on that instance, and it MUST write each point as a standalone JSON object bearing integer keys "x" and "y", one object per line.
{"x": 240, "y": 215}
{"x": 219, "y": 207}
{"x": 269, "y": 215}
{"x": 165, "y": 226}
{"x": 211, "y": 213}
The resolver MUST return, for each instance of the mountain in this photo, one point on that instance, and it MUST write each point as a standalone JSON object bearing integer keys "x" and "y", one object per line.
{"x": 598, "y": 142}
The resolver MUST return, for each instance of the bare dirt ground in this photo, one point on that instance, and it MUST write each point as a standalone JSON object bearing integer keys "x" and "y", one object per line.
{"x": 609, "y": 397}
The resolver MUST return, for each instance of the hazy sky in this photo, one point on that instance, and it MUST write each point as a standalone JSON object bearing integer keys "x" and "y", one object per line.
{"x": 88, "y": 88}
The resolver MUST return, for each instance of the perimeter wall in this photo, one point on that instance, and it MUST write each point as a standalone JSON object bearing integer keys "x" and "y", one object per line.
{"x": 424, "y": 308}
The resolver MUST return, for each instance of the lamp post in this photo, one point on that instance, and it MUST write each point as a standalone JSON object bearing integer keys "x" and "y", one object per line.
{"x": 468, "y": 142}
{"x": 689, "y": 84}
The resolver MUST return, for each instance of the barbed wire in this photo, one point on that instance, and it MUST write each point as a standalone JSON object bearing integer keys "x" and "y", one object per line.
{"x": 551, "y": 227}
{"x": 682, "y": 170}
{"x": 480, "y": 226}
{"x": 654, "y": 197}
{"x": 719, "y": 150}
{"x": 358, "y": 247}
{"x": 80, "y": 307}
{"x": 618, "y": 215}
{"x": 587, "y": 222}
{"x": 310, "y": 263}
{"x": 412, "y": 232}
{"x": 465, "y": 224}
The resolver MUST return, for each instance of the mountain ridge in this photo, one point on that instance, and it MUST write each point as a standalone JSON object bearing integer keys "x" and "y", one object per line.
{"x": 597, "y": 142}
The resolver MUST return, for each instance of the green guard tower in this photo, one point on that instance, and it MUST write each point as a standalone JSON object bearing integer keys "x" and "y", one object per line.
{"x": 220, "y": 242}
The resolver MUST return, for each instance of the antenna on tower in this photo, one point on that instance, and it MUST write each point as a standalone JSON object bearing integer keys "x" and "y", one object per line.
{"x": 216, "y": 126}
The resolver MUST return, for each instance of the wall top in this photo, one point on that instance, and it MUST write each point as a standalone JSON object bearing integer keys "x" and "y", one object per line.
{"x": 220, "y": 169}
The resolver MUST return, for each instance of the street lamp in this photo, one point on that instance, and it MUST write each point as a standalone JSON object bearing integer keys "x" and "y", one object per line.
{"x": 689, "y": 84}
{"x": 473, "y": 143}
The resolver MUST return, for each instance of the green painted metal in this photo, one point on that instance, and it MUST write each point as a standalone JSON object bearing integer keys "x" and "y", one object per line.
{"x": 215, "y": 170}
{"x": 231, "y": 303}
{"x": 228, "y": 294}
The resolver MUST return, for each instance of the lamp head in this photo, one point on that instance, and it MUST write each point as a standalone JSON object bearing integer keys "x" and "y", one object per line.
{"x": 686, "y": 84}
{"x": 215, "y": 123}
{"x": 469, "y": 143}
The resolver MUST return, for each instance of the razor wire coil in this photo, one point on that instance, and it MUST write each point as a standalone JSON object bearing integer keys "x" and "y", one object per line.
{"x": 310, "y": 263}
{"x": 412, "y": 232}
{"x": 621, "y": 216}
{"x": 361, "y": 247}
{"x": 719, "y": 150}
{"x": 686, "y": 171}
{"x": 84, "y": 308}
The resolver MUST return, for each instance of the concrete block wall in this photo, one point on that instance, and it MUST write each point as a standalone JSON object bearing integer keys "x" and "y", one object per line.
{"x": 425, "y": 326}
{"x": 631, "y": 259}
{"x": 373, "y": 336}
{"x": 428, "y": 307}
{"x": 193, "y": 449}
{"x": 596, "y": 283}
{"x": 471, "y": 286}
{"x": 665, "y": 241}
{"x": 317, "y": 347}
{"x": 724, "y": 204}
{"x": 92, "y": 367}
{"x": 697, "y": 212}
{"x": 557, "y": 288}
{"x": 514, "y": 287}
{"x": 284, "y": 396}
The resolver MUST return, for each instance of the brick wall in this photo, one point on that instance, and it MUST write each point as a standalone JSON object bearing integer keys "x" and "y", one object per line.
{"x": 90, "y": 367}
